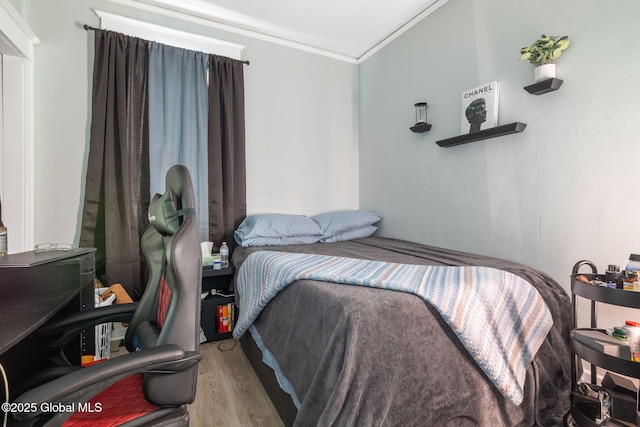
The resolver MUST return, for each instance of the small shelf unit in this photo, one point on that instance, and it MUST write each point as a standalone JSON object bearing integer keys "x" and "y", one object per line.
{"x": 216, "y": 279}
{"x": 544, "y": 86}
{"x": 606, "y": 295}
{"x": 219, "y": 280}
{"x": 494, "y": 132}
{"x": 421, "y": 127}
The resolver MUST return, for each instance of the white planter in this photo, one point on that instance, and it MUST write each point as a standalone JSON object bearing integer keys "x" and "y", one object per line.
{"x": 544, "y": 72}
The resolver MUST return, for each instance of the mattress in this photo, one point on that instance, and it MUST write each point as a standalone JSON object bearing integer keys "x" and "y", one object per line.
{"x": 351, "y": 355}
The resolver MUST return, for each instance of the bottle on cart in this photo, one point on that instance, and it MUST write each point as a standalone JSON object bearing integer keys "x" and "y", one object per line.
{"x": 3, "y": 235}
{"x": 224, "y": 255}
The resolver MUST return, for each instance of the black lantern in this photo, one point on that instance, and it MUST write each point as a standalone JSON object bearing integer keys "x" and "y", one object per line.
{"x": 421, "y": 118}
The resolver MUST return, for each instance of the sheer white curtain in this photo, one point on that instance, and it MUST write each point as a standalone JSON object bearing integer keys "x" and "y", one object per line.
{"x": 178, "y": 117}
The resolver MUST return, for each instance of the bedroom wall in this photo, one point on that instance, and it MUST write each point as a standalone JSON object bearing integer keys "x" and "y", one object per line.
{"x": 561, "y": 191}
{"x": 301, "y": 118}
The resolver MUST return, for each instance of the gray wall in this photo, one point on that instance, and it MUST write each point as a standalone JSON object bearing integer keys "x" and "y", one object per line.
{"x": 302, "y": 150}
{"x": 323, "y": 134}
{"x": 561, "y": 191}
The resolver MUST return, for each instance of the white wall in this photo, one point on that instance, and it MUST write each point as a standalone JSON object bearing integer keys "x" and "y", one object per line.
{"x": 16, "y": 127}
{"x": 563, "y": 190}
{"x": 300, "y": 114}
{"x": 302, "y": 149}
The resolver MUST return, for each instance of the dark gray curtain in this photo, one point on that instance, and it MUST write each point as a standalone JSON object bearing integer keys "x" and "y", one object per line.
{"x": 117, "y": 183}
{"x": 117, "y": 189}
{"x": 227, "y": 169}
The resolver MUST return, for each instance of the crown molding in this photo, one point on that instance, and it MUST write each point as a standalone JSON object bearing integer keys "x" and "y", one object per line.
{"x": 15, "y": 35}
{"x": 161, "y": 34}
{"x": 175, "y": 12}
{"x": 231, "y": 29}
{"x": 401, "y": 30}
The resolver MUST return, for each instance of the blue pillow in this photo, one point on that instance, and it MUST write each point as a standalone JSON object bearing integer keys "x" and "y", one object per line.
{"x": 334, "y": 223}
{"x": 277, "y": 229}
{"x": 359, "y": 233}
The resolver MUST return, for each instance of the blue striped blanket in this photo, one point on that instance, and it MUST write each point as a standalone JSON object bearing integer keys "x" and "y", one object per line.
{"x": 500, "y": 318}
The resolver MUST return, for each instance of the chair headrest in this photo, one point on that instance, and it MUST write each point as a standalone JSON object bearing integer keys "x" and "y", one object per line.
{"x": 163, "y": 214}
{"x": 179, "y": 180}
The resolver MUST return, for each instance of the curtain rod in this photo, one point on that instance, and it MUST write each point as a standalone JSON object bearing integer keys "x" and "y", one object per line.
{"x": 90, "y": 28}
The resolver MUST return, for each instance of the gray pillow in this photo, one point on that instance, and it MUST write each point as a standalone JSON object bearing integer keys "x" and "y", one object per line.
{"x": 359, "y": 233}
{"x": 277, "y": 229}
{"x": 335, "y": 223}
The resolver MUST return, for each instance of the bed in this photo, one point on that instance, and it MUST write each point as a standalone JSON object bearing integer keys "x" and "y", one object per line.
{"x": 349, "y": 355}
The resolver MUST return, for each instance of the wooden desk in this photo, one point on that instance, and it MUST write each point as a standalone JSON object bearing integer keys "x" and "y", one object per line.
{"x": 33, "y": 288}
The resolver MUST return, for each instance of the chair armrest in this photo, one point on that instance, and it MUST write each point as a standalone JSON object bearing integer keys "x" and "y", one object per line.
{"x": 87, "y": 318}
{"x": 83, "y": 384}
{"x": 68, "y": 326}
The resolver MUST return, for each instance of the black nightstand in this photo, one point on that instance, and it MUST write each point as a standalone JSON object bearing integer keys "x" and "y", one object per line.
{"x": 216, "y": 283}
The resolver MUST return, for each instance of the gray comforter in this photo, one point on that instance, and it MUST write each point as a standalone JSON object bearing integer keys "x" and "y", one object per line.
{"x": 369, "y": 357}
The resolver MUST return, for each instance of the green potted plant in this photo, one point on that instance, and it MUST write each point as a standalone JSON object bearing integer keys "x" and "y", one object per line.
{"x": 542, "y": 53}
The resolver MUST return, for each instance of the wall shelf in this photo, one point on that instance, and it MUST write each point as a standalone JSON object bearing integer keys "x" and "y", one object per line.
{"x": 515, "y": 127}
{"x": 420, "y": 127}
{"x": 544, "y": 86}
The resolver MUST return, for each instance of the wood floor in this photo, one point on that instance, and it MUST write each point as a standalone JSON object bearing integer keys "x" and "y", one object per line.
{"x": 229, "y": 393}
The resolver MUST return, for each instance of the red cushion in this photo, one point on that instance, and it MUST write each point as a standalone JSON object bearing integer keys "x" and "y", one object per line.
{"x": 118, "y": 404}
{"x": 163, "y": 301}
